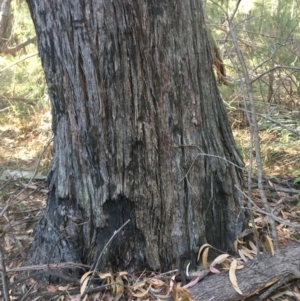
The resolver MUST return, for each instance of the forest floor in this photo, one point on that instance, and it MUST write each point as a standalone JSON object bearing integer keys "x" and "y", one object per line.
{"x": 25, "y": 156}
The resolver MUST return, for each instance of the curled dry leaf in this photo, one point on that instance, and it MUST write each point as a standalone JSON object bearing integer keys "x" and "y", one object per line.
{"x": 156, "y": 282}
{"x": 138, "y": 285}
{"x": 84, "y": 276}
{"x": 201, "y": 249}
{"x": 119, "y": 288}
{"x": 232, "y": 276}
{"x": 123, "y": 273}
{"x": 142, "y": 292}
{"x": 172, "y": 281}
{"x": 220, "y": 259}
{"x": 104, "y": 275}
{"x": 63, "y": 288}
{"x": 214, "y": 270}
{"x": 253, "y": 247}
{"x": 243, "y": 257}
{"x": 181, "y": 294}
{"x": 269, "y": 244}
{"x": 246, "y": 252}
{"x": 51, "y": 288}
{"x": 204, "y": 258}
{"x": 235, "y": 246}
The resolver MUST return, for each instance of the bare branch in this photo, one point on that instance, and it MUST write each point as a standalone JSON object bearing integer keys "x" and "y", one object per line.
{"x": 269, "y": 214}
{"x": 20, "y": 60}
{"x": 12, "y": 50}
{"x": 254, "y": 130}
{"x": 272, "y": 69}
{"x": 280, "y": 124}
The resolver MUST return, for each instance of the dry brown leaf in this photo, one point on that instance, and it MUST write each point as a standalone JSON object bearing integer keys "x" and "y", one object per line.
{"x": 236, "y": 245}
{"x": 242, "y": 255}
{"x": 138, "y": 285}
{"x": 293, "y": 294}
{"x": 269, "y": 245}
{"x": 220, "y": 259}
{"x": 83, "y": 287}
{"x": 119, "y": 287}
{"x": 204, "y": 258}
{"x": 172, "y": 281}
{"x": 123, "y": 273}
{"x": 253, "y": 247}
{"x": 181, "y": 294}
{"x": 156, "y": 282}
{"x": 246, "y": 252}
{"x": 142, "y": 293}
{"x": 104, "y": 275}
{"x": 84, "y": 276}
{"x": 232, "y": 276}
{"x": 51, "y": 288}
{"x": 214, "y": 270}
{"x": 201, "y": 249}
{"x": 118, "y": 296}
{"x": 63, "y": 288}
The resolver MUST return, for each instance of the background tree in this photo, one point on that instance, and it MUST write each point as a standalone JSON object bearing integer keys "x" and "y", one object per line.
{"x": 5, "y": 20}
{"x": 140, "y": 133}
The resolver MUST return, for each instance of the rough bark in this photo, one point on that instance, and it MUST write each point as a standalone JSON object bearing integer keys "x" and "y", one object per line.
{"x": 254, "y": 280}
{"x": 135, "y": 102}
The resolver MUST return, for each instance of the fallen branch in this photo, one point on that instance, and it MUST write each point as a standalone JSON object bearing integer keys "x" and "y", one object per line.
{"x": 3, "y": 275}
{"x": 63, "y": 265}
{"x": 281, "y": 189}
{"x": 265, "y": 274}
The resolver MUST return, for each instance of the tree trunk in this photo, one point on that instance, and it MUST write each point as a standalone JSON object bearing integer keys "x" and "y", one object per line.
{"x": 5, "y": 20}
{"x": 135, "y": 109}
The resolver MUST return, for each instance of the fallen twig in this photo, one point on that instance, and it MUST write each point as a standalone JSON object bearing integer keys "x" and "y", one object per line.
{"x": 3, "y": 276}
{"x": 63, "y": 265}
{"x": 270, "y": 214}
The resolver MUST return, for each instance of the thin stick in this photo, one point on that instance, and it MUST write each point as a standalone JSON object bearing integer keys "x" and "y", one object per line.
{"x": 99, "y": 257}
{"x": 3, "y": 275}
{"x": 269, "y": 214}
{"x": 202, "y": 153}
{"x": 62, "y": 265}
{"x": 254, "y": 132}
{"x": 17, "y": 62}
{"x": 280, "y": 124}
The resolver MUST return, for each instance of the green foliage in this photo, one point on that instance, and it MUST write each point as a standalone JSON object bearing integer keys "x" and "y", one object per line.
{"x": 25, "y": 125}
{"x": 268, "y": 35}
{"x": 24, "y": 80}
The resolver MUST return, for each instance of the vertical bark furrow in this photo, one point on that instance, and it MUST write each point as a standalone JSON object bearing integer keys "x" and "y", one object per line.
{"x": 135, "y": 102}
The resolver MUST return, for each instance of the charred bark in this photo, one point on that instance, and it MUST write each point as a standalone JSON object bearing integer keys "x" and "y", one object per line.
{"x": 135, "y": 107}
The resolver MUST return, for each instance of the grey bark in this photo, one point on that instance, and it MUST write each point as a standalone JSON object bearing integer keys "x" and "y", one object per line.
{"x": 134, "y": 103}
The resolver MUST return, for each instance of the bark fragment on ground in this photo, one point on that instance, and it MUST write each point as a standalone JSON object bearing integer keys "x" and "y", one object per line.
{"x": 255, "y": 280}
